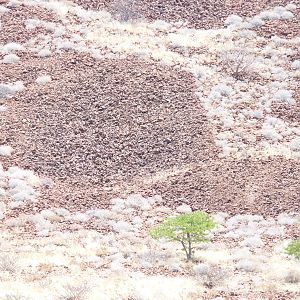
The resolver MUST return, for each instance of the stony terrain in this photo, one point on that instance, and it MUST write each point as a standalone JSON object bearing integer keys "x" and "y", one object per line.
{"x": 108, "y": 125}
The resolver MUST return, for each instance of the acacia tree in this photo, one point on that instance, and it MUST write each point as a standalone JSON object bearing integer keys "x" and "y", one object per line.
{"x": 186, "y": 229}
{"x": 294, "y": 248}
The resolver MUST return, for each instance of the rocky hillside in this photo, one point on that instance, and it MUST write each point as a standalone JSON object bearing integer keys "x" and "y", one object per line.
{"x": 115, "y": 115}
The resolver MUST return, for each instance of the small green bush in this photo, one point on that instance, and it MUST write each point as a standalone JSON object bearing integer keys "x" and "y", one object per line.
{"x": 186, "y": 229}
{"x": 294, "y": 248}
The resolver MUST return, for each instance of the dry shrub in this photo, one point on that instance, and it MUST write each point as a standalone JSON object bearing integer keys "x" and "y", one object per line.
{"x": 125, "y": 10}
{"x": 75, "y": 292}
{"x": 15, "y": 297}
{"x": 8, "y": 264}
{"x": 213, "y": 277}
{"x": 292, "y": 276}
{"x": 238, "y": 60}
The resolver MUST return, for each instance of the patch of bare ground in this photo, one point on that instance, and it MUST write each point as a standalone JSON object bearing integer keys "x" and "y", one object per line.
{"x": 267, "y": 187}
{"x": 13, "y": 23}
{"x": 289, "y": 113}
{"x": 284, "y": 28}
{"x": 113, "y": 127}
{"x": 285, "y": 112}
{"x": 97, "y": 124}
{"x": 253, "y": 295}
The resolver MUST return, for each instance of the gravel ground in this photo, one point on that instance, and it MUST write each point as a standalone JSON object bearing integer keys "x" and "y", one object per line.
{"x": 201, "y": 14}
{"x": 109, "y": 128}
{"x": 283, "y": 28}
{"x": 150, "y": 121}
{"x": 128, "y": 126}
{"x": 14, "y": 27}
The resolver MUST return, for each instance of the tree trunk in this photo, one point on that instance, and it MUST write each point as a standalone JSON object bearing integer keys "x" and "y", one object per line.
{"x": 190, "y": 247}
{"x": 185, "y": 250}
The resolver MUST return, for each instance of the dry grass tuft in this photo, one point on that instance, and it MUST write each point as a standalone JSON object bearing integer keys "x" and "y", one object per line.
{"x": 75, "y": 292}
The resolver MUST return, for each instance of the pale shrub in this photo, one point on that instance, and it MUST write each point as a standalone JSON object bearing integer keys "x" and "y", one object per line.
{"x": 11, "y": 59}
{"x": 8, "y": 264}
{"x": 47, "y": 214}
{"x": 291, "y": 6}
{"x": 75, "y": 292}
{"x": 22, "y": 196}
{"x": 201, "y": 269}
{"x": 125, "y": 10}
{"x": 292, "y": 276}
{"x": 99, "y": 213}
{"x": 65, "y": 45}
{"x": 253, "y": 242}
{"x": 6, "y": 150}
{"x": 233, "y": 20}
{"x": 284, "y": 219}
{"x": 223, "y": 89}
{"x": 256, "y": 22}
{"x": 44, "y": 53}
{"x": 80, "y": 217}
{"x": 296, "y": 64}
{"x": 137, "y": 201}
{"x": 10, "y": 47}
{"x": 3, "y": 10}
{"x": 238, "y": 60}
{"x": 212, "y": 277}
{"x": 2, "y": 192}
{"x": 270, "y": 132}
{"x": 295, "y": 143}
{"x": 3, "y": 108}
{"x": 15, "y": 297}
{"x": 32, "y": 23}
{"x": 122, "y": 226}
{"x": 5, "y": 90}
{"x": 247, "y": 265}
{"x": 18, "y": 86}
{"x": 44, "y": 79}
{"x": 62, "y": 212}
{"x": 275, "y": 231}
{"x": 284, "y": 96}
{"x": 183, "y": 209}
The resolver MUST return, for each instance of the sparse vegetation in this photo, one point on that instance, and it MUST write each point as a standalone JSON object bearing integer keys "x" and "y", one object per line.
{"x": 293, "y": 248}
{"x": 198, "y": 107}
{"x": 292, "y": 276}
{"x": 125, "y": 10}
{"x": 153, "y": 256}
{"x": 247, "y": 265}
{"x": 7, "y": 264}
{"x": 238, "y": 61}
{"x": 186, "y": 229}
{"x": 15, "y": 297}
{"x": 74, "y": 292}
{"x": 213, "y": 277}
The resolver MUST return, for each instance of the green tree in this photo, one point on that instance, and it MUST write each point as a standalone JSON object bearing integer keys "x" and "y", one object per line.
{"x": 294, "y": 248}
{"x": 186, "y": 229}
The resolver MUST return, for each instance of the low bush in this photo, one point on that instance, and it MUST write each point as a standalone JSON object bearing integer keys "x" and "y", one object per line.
{"x": 125, "y": 10}
{"x": 75, "y": 292}
{"x": 8, "y": 264}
